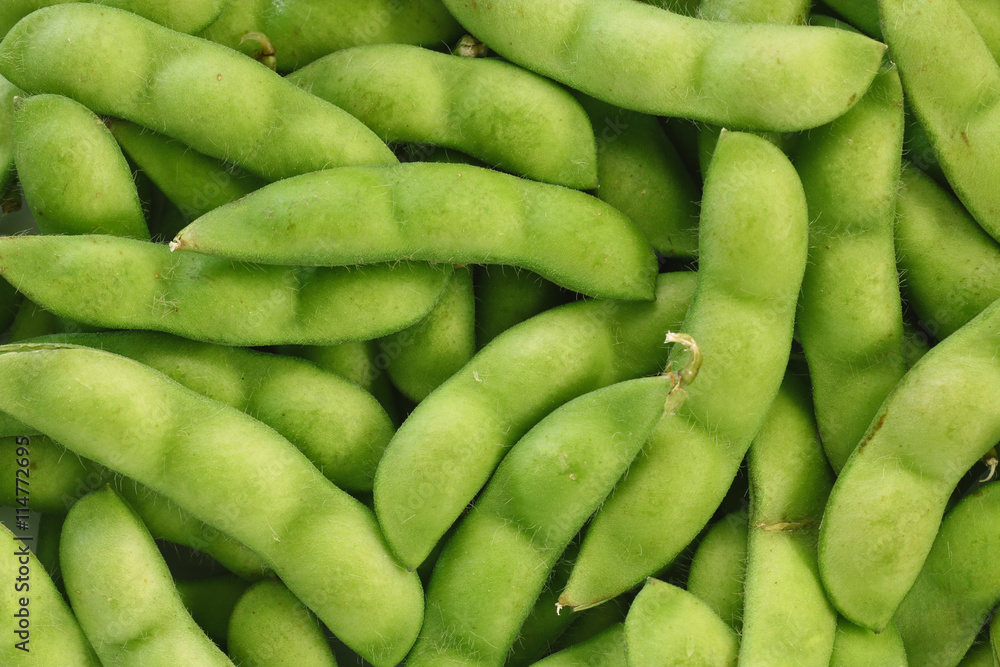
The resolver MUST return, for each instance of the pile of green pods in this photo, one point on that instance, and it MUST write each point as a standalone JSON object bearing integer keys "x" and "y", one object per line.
{"x": 618, "y": 333}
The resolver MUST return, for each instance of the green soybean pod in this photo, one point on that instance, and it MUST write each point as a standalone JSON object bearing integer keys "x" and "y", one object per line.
{"x": 189, "y": 89}
{"x": 192, "y": 181}
{"x": 220, "y": 465}
{"x": 606, "y": 649}
{"x": 125, "y": 599}
{"x": 8, "y": 92}
{"x": 854, "y": 646}
{"x": 42, "y": 630}
{"x": 495, "y": 565}
{"x": 937, "y": 48}
{"x": 938, "y": 421}
{"x": 362, "y": 362}
{"x": 641, "y": 175}
{"x": 754, "y": 76}
{"x": 506, "y": 296}
{"x": 985, "y": 15}
{"x": 269, "y": 627}
{"x": 783, "y": 12}
{"x": 210, "y": 602}
{"x": 508, "y": 117}
{"x": 74, "y": 176}
{"x": 718, "y": 568}
{"x": 786, "y": 616}
{"x": 56, "y": 478}
{"x": 667, "y": 625}
{"x": 742, "y": 315}
{"x": 304, "y": 30}
{"x": 145, "y": 286}
{"x": 862, "y": 14}
{"x": 447, "y": 448}
{"x": 340, "y": 428}
{"x": 544, "y": 624}
{"x": 449, "y": 213}
{"x": 434, "y": 349}
{"x": 950, "y": 267}
{"x": 850, "y": 318}
{"x": 952, "y": 597}
{"x": 189, "y": 16}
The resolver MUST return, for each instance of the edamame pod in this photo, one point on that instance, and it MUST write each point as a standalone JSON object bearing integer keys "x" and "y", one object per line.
{"x": 544, "y": 623}
{"x": 49, "y": 634}
{"x": 145, "y": 286}
{"x": 667, "y": 625}
{"x": 340, "y": 428}
{"x": 434, "y": 349}
{"x": 121, "y": 590}
{"x": 786, "y": 616}
{"x": 950, "y": 267}
{"x": 56, "y": 480}
{"x": 887, "y": 503}
{"x": 753, "y": 211}
{"x": 508, "y": 117}
{"x": 850, "y": 318}
{"x": 193, "y": 182}
{"x": 782, "y": 12}
{"x": 753, "y": 76}
{"x": 449, "y": 213}
{"x": 506, "y": 296}
{"x": 74, "y": 176}
{"x": 269, "y": 627}
{"x": 606, "y": 649}
{"x": 446, "y": 450}
{"x": 221, "y": 465}
{"x": 119, "y": 64}
{"x": 304, "y": 30}
{"x": 985, "y": 15}
{"x": 641, "y": 175}
{"x": 855, "y": 646}
{"x": 951, "y": 81}
{"x": 719, "y": 566}
{"x": 188, "y": 16}
{"x": 496, "y": 563}
{"x": 952, "y": 597}
{"x": 862, "y": 14}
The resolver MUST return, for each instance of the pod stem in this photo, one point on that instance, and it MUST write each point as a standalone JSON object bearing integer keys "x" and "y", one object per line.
{"x": 266, "y": 54}
{"x": 991, "y": 461}
{"x": 685, "y": 376}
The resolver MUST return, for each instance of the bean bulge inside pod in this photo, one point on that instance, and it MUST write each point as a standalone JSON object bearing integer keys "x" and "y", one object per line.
{"x": 446, "y": 213}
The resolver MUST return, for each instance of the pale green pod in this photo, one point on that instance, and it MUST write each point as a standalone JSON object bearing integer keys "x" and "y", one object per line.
{"x": 854, "y": 646}
{"x": 495, "y": 565}
{"x": 950, "y": 267}
{"x": 937, "y": 48}
{"x": 57, "y": 478}
{"x": 220, "y": 465}
{"x": 434, "y": 349}
{"x": 606, "y": 649}
{"x": 125, "y": 599}
{"x": 752, "y": 76}
{"x": 305, "y": 30}
{"x": 954, "y": 594}
{"x": 886, "y": 506}
{"x": 985, "y": 15}
{"x": 269, "y": 627}
{"x": 444, "y": 213}
{"x": 119, "y": 64}
{"x": 210, "y": 602}
{"x": 340, "y": 428}
{"x": 641, "y": 175}
{"x": 506, "y": 296}
{"x": 782, "y": 12}
{"x": 786, "y": 616}
{"x": 447, "y": 448}
{"x": 718, "y": 568}
{"x": 850, "y": 318}
{"x": 753, "y": 212}
{"x": 41, "y": 629}
{"x": 189, "y": 16}
{"x": 667, "y": 625}
{"x": 508, "y": 117}
{"x": 145, "y": 286}
{"x": 74, "y": 176}
{"x": 195, "y": 183}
